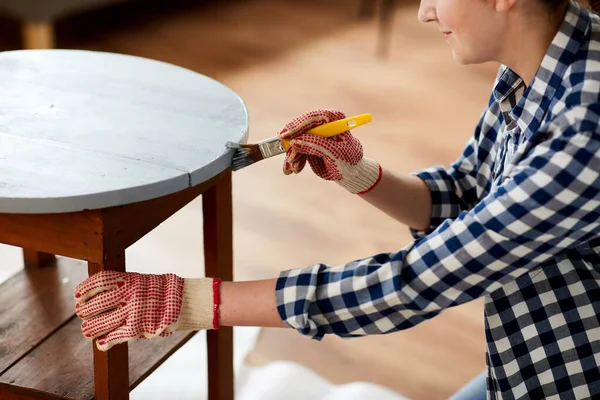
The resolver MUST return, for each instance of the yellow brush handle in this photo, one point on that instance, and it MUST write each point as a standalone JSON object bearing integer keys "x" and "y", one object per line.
{"x": 335, "y": 127}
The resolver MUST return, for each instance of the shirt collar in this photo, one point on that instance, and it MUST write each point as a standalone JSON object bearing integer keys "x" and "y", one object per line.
{"x": 531, "y": 107}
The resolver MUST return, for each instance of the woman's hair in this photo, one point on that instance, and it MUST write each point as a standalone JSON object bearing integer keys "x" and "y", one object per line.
{"x": 594, "y": 5}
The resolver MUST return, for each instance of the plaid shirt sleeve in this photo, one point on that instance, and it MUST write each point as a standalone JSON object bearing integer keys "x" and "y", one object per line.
{"x": 454, "y": 189}
{"x": 549, "y": 202}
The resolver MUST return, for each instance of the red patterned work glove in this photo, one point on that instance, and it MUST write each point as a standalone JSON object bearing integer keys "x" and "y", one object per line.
{"x": 338, "y": 158}
{"x": 117, "y": 307}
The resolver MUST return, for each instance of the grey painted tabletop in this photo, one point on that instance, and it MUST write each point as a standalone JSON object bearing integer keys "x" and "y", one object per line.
{"x": 86, "y": 130}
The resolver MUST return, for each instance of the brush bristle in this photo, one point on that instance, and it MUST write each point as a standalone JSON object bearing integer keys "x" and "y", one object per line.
{"x": 243, "y": 156}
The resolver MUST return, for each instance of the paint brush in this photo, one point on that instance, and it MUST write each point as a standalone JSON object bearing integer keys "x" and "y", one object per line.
{"x": 248, "y": 154}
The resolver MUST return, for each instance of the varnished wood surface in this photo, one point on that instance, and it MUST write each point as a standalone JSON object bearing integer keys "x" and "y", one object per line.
{"x": 218, "y": 262}
{"x": 284, "y": 58}
{"x": 24, "y": 327}
{"x": 78, "y": 235}
{"x": 19, "y": 393}
{"x": 36, "y": 259}
{"x": 63, "y": 365}
{"x": 33, "y": 304}
{"x": 43, "y": 348}
{"x": 86, "y": 235}
{"x": 111, "y": 368}
{"x": 129, "y": 223}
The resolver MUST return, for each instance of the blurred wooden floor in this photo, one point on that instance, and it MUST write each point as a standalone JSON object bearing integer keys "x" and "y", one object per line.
{"x": 284, "y": 58}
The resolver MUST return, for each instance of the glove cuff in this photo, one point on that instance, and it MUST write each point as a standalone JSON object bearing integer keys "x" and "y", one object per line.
{"x": 200, "y": 305}
{"x": 362, "y": 177}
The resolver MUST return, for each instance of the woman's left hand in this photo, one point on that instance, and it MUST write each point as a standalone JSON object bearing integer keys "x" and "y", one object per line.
{"x": 117, "y": 307}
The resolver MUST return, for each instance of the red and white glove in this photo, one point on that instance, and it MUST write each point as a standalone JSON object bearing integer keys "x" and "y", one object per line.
{"x": 117, "y": 307}
{"x": 339, "y": 158}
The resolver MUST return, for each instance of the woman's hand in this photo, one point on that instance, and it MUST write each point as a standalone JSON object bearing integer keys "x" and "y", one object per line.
{"x": 121, "y": 306}
{"x": 339, "y": 158}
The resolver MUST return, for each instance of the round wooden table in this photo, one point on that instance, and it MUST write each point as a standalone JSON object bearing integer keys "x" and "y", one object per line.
{"x": 96, "y": 150}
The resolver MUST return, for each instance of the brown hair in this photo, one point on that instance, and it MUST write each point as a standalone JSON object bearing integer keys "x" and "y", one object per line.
{"x": 593, "y": 5}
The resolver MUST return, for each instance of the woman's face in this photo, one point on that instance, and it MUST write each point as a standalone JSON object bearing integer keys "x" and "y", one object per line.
{"x": 473, "y": 28}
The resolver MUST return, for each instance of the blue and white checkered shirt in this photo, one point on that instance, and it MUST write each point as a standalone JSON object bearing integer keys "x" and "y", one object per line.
{"x": 516, "y": 220}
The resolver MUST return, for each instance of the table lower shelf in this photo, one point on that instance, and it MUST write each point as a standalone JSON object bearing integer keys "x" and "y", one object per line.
{"x": 42, "y": 351}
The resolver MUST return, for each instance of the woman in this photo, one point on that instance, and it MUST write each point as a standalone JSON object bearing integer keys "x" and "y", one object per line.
{"x": 515, "y": 219}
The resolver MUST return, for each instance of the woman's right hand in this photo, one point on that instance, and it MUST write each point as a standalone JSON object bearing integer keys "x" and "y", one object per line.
{"x": 339, "y": 158}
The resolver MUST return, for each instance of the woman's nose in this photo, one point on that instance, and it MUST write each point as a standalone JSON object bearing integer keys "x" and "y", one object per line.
{"x": 427, "y": 11}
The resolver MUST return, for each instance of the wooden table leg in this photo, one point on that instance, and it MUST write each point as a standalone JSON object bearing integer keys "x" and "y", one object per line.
{"x": 36, "y": 259}
{"x": 218, "y": 256}
{"x": 111, "y": 368}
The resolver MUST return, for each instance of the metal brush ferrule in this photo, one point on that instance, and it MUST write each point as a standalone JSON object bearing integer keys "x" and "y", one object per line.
{"x": 270, "y": 147}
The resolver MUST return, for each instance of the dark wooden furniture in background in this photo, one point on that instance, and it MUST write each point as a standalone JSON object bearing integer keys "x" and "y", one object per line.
{"x": 37, "y": 17}
{"x": 386, "y": 10}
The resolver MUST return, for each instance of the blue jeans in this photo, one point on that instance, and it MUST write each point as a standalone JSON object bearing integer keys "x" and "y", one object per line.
{"x": 475, "y": 389}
